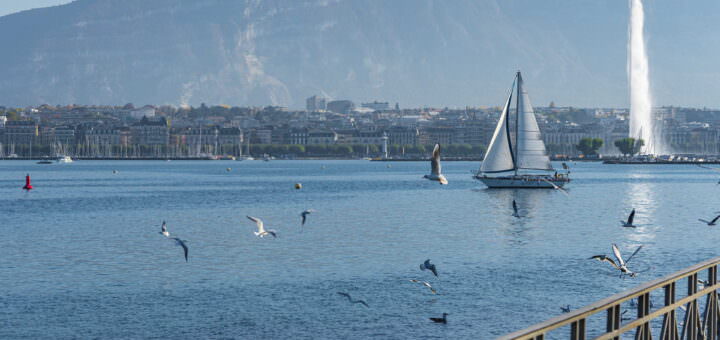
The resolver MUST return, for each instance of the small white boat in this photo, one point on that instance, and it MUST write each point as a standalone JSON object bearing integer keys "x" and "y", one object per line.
{"x": 64, "y": 159}
{"x": 518, "y": 159}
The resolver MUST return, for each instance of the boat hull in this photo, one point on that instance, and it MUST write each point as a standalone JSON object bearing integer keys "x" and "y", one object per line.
{"x": 527, "y": 182}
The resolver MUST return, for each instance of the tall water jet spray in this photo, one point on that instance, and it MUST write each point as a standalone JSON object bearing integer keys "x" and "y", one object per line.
{"x": 641, "y": 121}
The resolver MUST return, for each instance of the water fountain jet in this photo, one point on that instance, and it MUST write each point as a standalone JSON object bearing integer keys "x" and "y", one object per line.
{"x": 642, "y": 124}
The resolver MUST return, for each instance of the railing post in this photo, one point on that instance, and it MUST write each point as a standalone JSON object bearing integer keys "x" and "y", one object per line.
{"x": 643, "y": 331}
{"x": 669, "y": 329}
{"x": 710, "y": 324}
{"x": 613, "y": 320}
{"x": 690, "y": 328}
{"x": 577, "y": 330}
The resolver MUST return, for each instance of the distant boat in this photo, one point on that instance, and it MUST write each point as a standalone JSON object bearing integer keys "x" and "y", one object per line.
{"x": 44, "y": 161}
{"x": 247, "y": 156}
{"x": 523, "y": 159}
{"x": 64, "y": 159}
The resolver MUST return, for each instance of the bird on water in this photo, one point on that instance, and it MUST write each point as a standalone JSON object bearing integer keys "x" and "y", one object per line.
{"x": 429, "y": 266}
{"x": 440, "y": 320}
{"x": 621, "y": 264}
{"x": 712, "y": 222}
{"x": 629, "y": 222}
{"x": 565, "y": 309}
{"x": 435, "y": 169}
{"x": 351, "y": 300}
{"x": 261, "y": 229}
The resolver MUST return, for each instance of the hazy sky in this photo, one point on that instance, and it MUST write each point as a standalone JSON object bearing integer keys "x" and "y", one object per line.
{"x": 12, "y": 6}
{"x": 444, "y": 53}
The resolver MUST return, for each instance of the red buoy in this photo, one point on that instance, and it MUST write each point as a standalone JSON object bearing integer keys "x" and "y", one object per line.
{"x": 27, "y": 186}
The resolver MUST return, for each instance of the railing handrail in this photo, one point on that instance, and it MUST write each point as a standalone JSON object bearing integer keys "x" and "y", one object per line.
{"x": 604, "y": 304}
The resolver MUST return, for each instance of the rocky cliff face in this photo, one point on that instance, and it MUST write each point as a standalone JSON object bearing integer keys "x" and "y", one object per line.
{"x": 252, "y": 52}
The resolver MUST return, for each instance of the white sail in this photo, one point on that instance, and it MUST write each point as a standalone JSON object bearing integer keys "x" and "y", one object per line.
{"x": 530, "y": 151}
{"x": 499, "y": 157}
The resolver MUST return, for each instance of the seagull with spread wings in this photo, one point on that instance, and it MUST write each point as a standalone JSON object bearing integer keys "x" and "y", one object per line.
{"x": 426, "y": 284}
{"x": 429, "y": 266}
{"x": 304, "y": 215}
{"x": 261, "y": 228}
{"x": 435, "y": 169}
{"x": 712, "y": 222}
{"x": 630, "y": 219}
{"x": 184, "y": 246}
{"x": 557, "y": 187}
{"x": 621, "y": 264}
{"x": 351, "y": 300}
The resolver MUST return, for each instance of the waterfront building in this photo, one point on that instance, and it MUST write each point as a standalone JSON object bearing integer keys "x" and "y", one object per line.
{"x": 20, "y": 132}
{"x": 376, "y": 106}
{"x": 150, "y": 132}
{"x": 402, "y": 135}
{"x": 340, "y": 106}
{"x": 315, "y": 103}
{"x": 298, "y": 136}
{"x": 322, "y": 137}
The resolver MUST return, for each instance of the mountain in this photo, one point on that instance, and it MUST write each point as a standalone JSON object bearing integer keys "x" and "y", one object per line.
{"x": 253, "y": 52}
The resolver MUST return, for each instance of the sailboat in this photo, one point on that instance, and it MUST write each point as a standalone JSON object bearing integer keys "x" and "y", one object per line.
{"x": 247, "y": 156}
{"x": 517, "y": 157}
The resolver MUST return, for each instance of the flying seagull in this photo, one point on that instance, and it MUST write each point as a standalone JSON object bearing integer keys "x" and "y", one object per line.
{"x": 351, "y": 300}
{"x": 304, "y": 215}
{"x": 621, "y": 264}
{"x": 515, "y": 210}
{"x": 429, "y": 266}
{"x": 426, "y": 284}
{"x": 557, "y": 187}
{"x": 435, "y": 170}
{"x": 629, "y": 222}
{"x": 713, "y": 222}
{"x": 261, "y": 229}
{"x": 164, "y": 231}
{"x": 181, "y": 243}
{"x": 440, "y": 320}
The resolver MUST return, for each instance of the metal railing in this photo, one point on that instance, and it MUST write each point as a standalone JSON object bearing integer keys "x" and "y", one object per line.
{"x": 695, "y": 326}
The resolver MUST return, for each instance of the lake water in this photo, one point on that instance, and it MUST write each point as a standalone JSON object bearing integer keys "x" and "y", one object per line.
{"x": 81, "y": 257}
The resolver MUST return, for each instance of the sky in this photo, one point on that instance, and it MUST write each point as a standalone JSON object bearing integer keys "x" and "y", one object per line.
{"x": 572, "y": 52}
{"x": 12, "y": 6}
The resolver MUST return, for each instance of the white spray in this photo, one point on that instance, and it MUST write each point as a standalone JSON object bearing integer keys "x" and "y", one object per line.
{"x": 641, "y": 122}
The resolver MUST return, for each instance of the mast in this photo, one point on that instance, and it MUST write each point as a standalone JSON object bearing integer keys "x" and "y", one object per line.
{"x": 517, "y": 119}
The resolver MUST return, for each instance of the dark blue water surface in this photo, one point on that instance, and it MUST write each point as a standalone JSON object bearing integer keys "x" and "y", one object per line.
{"x": 81, "y": 257}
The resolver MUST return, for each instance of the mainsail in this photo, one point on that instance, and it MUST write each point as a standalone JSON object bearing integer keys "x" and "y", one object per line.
{"x": 499, "y": 156}
{"x": 531, "y": 153}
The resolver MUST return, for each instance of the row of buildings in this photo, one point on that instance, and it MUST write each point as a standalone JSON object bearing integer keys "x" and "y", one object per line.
{"x": 227, "y": 130}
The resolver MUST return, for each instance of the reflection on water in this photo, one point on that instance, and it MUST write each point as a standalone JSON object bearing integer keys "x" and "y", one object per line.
{"x": 518, "y": 231}
{"x": 640, "y": 196}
